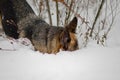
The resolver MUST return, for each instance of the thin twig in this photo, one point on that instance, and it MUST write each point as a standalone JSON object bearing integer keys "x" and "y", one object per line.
{"x": 96, "y": 17}
{"x": 69, "y": 12}
{"x": 57, "y": 13}
{"x": 49, "y": 13}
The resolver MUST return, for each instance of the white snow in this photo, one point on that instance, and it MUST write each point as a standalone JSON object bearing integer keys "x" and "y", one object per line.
{"x": 90, "y": 63}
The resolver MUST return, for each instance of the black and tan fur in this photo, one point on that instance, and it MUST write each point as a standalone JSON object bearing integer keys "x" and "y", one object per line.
{"x": 49, "y": 39}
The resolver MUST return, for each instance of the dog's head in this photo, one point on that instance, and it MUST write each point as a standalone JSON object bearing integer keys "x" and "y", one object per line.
{"x": 68, "y": 39}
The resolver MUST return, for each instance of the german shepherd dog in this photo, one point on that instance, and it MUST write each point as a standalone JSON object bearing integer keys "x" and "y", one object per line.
{"x": 49, "y": 39}
{"x": 45, "y": 38}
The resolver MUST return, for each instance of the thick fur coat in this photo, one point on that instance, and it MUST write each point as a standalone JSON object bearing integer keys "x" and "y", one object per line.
{"x": 46, "y": 38}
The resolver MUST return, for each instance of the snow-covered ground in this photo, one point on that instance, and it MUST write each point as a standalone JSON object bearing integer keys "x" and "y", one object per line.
{"x": 91, "y": 63}
{"x": 94, "y": 62}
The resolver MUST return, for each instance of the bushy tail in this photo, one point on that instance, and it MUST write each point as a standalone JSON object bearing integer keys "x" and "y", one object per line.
{"x": 13, "y": 11}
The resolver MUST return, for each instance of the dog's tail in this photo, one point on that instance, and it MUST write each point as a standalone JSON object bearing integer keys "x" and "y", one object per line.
{"x": 12, "y": 12}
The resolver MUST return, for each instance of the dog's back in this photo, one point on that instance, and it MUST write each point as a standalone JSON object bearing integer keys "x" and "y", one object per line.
{"x": 39, "y": 32}
{"x": 22, "y": 9}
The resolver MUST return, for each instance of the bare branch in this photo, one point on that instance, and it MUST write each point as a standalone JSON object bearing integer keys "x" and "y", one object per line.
{"x": 96, "y": 17}
{"x": 49, "y": 13}
{"x": 57, "y": 12}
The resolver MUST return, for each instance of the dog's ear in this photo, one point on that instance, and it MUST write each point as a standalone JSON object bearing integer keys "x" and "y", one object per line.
{"x": 72, "y": 25}
{"x": 65, "y": 39}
